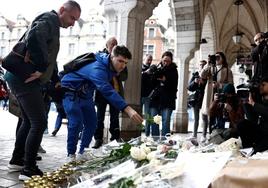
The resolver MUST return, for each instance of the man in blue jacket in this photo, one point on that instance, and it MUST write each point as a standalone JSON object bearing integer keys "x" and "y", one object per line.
{"x": 78, "y": 100}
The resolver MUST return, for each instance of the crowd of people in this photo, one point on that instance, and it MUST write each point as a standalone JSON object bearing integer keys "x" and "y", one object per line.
{"x": 98, "y": 83}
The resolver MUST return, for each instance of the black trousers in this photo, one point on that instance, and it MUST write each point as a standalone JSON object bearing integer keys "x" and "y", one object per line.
{"x": 101, "y": 104}
{"x": 34, "y": 122}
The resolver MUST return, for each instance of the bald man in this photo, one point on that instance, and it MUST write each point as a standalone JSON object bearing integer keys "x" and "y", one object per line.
{"x": 42, "y": 41}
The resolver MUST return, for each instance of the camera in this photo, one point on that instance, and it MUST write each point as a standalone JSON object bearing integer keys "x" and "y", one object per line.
{"x": 265, "y": 35}
{"x": 252, "y": 87}
{"x": 157, "y": 71}
{"x": 196, "y": 75}
{"x": 221, "y": 97}
{"x": 212, "y": 59}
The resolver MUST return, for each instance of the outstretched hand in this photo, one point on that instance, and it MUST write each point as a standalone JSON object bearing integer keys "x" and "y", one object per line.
{"x": 133, "y": 115}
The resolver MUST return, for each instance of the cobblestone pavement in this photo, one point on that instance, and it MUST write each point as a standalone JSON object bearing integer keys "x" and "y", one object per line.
{"x": 51, "y": 160}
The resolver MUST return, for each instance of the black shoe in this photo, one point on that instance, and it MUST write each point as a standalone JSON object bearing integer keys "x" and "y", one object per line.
{"x": 55, "y": 132}
{"x": 27, "y": 173}
{"x": 38, "y": 158}
{"x": 15, "y": 166}
{"x": 41, "y": 150}
{"x": 98, "y": 144}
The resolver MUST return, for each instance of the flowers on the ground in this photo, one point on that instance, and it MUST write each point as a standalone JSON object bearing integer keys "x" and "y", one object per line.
{"x": 137, "y": 153}
{"x": 140, "y": 153}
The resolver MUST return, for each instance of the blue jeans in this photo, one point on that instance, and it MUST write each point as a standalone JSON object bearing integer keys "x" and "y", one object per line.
{"x": 60, "y": 116}
{"x": 166, "y": 114}
{"x": 81, "y": 117}
{"x": 146, "y": 111}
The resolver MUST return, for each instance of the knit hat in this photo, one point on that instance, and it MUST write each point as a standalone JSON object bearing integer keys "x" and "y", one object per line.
{"x": 228, "y": 89}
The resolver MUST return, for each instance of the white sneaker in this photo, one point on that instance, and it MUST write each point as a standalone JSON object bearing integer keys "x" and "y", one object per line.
{"x": 191, "y": 138}
{"x": 83, "y": 157}
{"x": 203, "y": 139}
{"x": 71, "y": 158}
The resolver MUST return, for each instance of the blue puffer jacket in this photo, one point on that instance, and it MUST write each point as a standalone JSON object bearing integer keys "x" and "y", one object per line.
{"x": 96, "y": 75}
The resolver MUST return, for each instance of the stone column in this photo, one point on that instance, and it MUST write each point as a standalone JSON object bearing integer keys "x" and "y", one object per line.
{"x": 187, "y": 26}
{"x": 126, "y": 22}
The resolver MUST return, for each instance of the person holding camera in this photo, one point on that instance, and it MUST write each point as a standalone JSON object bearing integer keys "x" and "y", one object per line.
{"x": 218, "y": 74}
{"x": 227, "y": 111}
{"x": 254, "y": 130}
{"x": 163, "y": 96}
{"x": 197, "y": 85}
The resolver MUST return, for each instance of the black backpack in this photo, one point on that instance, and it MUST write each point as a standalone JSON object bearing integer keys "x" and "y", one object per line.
{"x": 77, "y": 63}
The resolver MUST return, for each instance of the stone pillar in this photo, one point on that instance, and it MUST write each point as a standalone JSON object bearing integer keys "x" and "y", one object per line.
{"x": 187, "y": 26}
{"x": 126, "y": 22}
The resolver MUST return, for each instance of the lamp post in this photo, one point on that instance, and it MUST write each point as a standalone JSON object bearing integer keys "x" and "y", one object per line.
{"x": 237, "y": 37}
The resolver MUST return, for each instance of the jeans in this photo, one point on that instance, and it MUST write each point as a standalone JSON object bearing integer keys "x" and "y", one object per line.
{"x": 34, "y": 122}
{"x": 196, "y": 110}
{"x": 114, "y": 120}
{"x": 146, "y": 111}
{"x": 166, "y": 114}
{"x": 60, "y": 116}
{"x": 81, "y": 117}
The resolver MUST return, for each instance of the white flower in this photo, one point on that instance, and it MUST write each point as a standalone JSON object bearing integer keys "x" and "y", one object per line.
{"x": 155, "y": 162}
{"x": 151, "y": 155}
{"x": 158, "y": 119}
{"x": 145, "y": 148}
{"x": 137, "y": 153}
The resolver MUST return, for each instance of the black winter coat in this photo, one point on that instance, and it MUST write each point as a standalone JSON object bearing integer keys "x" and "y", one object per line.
{"x": 146, "y": 86}
{"x": 167, "y": 93}
{"x": 199, "y": 90}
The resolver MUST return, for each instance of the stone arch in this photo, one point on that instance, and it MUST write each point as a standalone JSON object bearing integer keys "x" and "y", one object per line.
{"x": 208, "y": 33}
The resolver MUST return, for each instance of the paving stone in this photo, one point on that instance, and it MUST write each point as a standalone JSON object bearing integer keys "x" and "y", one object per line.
{"x": 7, "y": 183}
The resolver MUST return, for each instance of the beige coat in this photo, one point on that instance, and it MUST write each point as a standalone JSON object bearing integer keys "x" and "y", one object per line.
{"x": 224, "y": 76}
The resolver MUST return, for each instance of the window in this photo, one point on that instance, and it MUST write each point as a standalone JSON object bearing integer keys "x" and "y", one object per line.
{"x": 19, "y": 33}
{"x": 2, "y": 51}
{"x": 148, "y": 49}
{"x": 151, "y": 32}
{"x": 71, "y": 49}
{"x": 3, "y": 35}
{"x": 91, "y": 28}
{"x": 90, "y": 46}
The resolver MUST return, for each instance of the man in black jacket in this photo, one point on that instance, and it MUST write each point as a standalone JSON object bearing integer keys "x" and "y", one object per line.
{"x": 254, "y": 130}
{"x": 42, "y": 42}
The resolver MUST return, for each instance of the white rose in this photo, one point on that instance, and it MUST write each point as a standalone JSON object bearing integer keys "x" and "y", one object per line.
{"x": 158, "y": 119}
{"x": 145, "y": 148}
{"x": 137, "y": 153}
{"x": 151, "y": 155}
{"x": 155, "y": 162}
